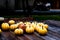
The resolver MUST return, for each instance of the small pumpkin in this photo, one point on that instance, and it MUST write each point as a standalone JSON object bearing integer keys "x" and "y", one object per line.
{"x": 0, "y": 31}
{"x": 42, "y": 30}
{"x": 11, "y": 22}
{"x": 5, "y": 26}
{"x": 13, "y": 26}
{"x": 18, "y": 31}
{"x": 29, "y": 29}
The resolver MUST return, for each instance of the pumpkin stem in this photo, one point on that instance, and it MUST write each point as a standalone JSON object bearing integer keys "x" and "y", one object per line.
{"x": 42, "y": 27}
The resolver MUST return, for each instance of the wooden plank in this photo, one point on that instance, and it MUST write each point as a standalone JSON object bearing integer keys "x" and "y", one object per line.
{"x": 53, "y": 23}
{"x": 2, "y": 38}
{"x": 44, "y": 37}
{"x": 8, "y": 36}
{"x": 52, "y": 35}
{"x": 21, "y": 37}
{"x": 54, "y": 29}
{"x": 33, "y": 36}
{"x": 28, "y": 37}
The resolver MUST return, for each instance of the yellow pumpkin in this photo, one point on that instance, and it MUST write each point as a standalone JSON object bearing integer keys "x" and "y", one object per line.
{"x": 29, "y": 29}
{"x": 5, "y": 26}
{"x": 21, "y": 22}
{"x": 46, "y": 26}
{"x": 0, "y": 31}
{"x": 33, "y": 25}
{"x": 27, "y": 23}
{"x": 18, "y": 31}
{"x": 13, "y": 26}
{"x": 34, "y": 22}
{"x": 40, "y": 24}
{"x": 11, "y": 22}
{"x": 37, "y": 27}
{"x": 42, "y": 31}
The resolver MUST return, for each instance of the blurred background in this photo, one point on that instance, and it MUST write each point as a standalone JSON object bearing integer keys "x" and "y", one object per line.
{"x": 44, "y": 7}
{"x": 20, "y": 4}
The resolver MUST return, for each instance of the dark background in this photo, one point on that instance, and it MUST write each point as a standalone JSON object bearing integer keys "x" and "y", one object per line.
{"x": 18, "y": 4}
{"x": 9, "y": 7}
